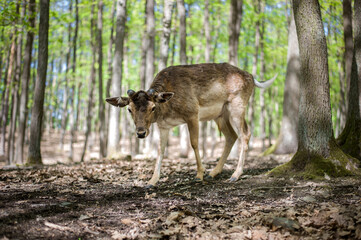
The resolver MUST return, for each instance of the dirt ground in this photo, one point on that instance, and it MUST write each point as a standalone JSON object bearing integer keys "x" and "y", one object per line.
{"x": 106, "y": 199}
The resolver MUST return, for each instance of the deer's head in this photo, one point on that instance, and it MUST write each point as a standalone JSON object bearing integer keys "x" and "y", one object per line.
{"x": 142, "y": 105}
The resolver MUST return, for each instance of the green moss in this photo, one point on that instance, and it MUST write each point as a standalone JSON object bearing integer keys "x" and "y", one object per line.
{"x": 313, "y": 166}
{"x": 269, "y": 150}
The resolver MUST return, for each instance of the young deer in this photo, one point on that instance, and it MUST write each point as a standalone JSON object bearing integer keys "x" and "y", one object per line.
{"x": 189, "y": 94}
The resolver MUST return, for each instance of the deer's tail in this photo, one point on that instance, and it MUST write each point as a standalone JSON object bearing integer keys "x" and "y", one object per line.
{"x": 265, "y": 84}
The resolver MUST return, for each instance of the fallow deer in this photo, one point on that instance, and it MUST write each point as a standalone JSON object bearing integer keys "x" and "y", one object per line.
{"x": 189, "y": 94}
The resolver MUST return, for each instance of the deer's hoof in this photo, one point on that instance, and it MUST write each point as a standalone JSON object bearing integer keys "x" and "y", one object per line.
{"x": 232, "y": 179}
{"x": 149, "y": 186}
{"x": 197, "y": 179}
{"x": 209, "y": 178}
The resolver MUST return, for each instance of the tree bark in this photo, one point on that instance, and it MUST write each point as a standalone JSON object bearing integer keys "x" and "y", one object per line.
{"x": 254, "y": 71}
{"x": 164, "y": 42}
{"x": 8, "y": 81}
{"x": 347, "y": 36}
{"x": 184, "y": 146}
{"x": 102, "y": 137}
{"x": 235, "y": 20}
{"x": 318, "y": 155}
{"x": 25, "y": 76}
{"x": 262, "y": 77}
{"x": 207, "y": 58}
{"x": 91, "y": 84}
{"x": 34, "y": 155}
{"x": 64, "y": 117}
{"x": 113, "y": 131}
{"x": 15, "y": 89}
{"x": 73, "y": 113}
{"x": 350, "y": 138}
{"x": 287, "y": 140}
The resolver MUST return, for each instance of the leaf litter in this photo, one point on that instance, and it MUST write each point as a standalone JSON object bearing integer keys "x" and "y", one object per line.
{"x": 107, "y": 200}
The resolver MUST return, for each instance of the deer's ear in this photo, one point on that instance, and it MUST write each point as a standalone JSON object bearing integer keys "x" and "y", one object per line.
{"x": 118, "y": 101}
{"x": 164, "y": 97}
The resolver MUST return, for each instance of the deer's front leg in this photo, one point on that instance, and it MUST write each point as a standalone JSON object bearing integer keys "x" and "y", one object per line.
{"x": 193, "y": 127}
{"x": 163, "y": 142}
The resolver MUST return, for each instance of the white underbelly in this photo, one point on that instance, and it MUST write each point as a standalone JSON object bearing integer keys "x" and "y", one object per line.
{"x": 210, "y": 112}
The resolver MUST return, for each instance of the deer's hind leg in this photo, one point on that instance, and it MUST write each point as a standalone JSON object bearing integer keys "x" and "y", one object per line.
{"x": 226, "y": 128}
{"x": 237, "y": 109}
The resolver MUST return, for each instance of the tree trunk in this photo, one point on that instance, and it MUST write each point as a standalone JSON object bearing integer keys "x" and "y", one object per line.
{"x": 164, "y": 42}
{"x": 262, "y": 77}
{"x": 184, "y": 146}
{"x": 25, "y": 76}
{"x": 254, "y": 72}
{"x": 287, "y": 140}
{"x": 347, "y": 36}
{"x": 318, "y": 155}
{"x": 8, "y": 81}
{"x": 113, "y": 130}
{"x": 34, "y": 155}
{"x": 64, "y": 117}
{"x": 73, "y": 122}
{"x": 207, "y": 58}
{"x": 235, "y": 19}
{"x": 350, "y": 138}
{"x": 91, "y": 84}
{"x": 15, "y": 90}
{"x": 102, "y": 138}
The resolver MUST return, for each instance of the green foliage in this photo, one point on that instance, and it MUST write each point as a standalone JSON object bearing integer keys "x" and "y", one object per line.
{"x": 276, "y": 36}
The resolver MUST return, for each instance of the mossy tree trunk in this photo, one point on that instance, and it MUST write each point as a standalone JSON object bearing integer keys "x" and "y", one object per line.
{"x": 350, "y": 138}
{"x": 318, "y": 154}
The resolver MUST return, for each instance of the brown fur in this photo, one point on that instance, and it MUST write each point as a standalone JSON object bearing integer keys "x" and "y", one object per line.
{"x": 201, "y": 92}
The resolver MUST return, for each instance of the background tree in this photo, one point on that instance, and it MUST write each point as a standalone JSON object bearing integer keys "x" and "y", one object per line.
{"x": 34, "y": 155}
{"x": 350, "y": 138}
{"x": 318, "y": 155}
{"x": 183, "y": 132}
{"x": 25, "y": 76}
{"x": 287, "y": 138}
{"x": 114, "y": 136}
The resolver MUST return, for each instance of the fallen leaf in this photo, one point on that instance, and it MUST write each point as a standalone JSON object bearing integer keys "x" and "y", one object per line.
{"x": 126, "y": 221}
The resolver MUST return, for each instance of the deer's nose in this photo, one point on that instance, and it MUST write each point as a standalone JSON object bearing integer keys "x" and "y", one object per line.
{"x": 141, "y": 133}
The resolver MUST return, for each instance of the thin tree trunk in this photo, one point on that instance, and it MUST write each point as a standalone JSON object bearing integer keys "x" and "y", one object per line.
{"x": 73, "y": 121}
{"x": 25, "y": 76}
{"x": 347, "y": 36}
{"x": 207, "y": 58}
{"x": 64, "y": 118}
{"x": 7, "y": 94}
{"x": 15, "y": 90}
{"x": 235, "y": 19}
{"x": 254, "y": 72}
{"x": 34, "y": 154}
{"x": 262, "y": 77}
{"x": 102, "y": 137}
{"x": 183, "y": 132}
{"x": 113, "y": 130}
{"x": 164, "y": 43}
{"x": 91, "y": 84}
{"x": 110, "y": 71}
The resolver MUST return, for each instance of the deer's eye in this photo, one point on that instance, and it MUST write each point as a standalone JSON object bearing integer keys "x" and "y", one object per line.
{"x": 130, "y": 111}
{"x": 153, "y": 109}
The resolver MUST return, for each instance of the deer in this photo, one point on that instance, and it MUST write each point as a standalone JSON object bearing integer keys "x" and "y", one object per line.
{"x": 189, "y": 94}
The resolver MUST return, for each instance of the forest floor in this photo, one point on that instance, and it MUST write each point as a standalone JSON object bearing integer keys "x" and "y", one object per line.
{"x": 107, "y": 200}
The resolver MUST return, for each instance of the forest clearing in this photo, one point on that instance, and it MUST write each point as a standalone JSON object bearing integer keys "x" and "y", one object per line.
{"x": 180, "y": 119}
